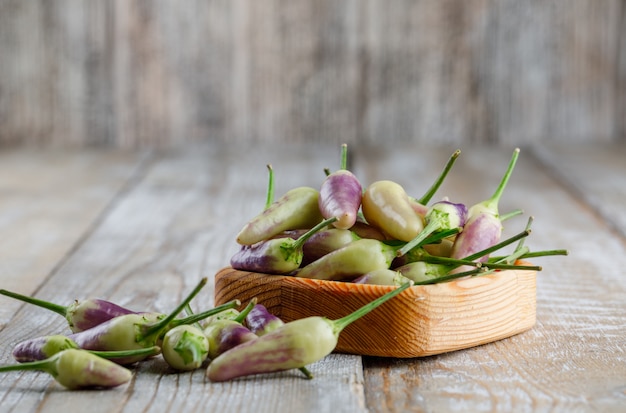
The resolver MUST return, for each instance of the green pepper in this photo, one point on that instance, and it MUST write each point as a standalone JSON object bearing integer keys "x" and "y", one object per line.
{"x": 296, "y": 209}
{"x": 386, "y": 206}
{"x": 353, "y": 260}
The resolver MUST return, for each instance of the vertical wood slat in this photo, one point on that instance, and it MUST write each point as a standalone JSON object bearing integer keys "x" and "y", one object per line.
{"x": 144, "y": 73}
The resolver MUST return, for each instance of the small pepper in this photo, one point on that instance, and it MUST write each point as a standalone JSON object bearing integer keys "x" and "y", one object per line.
{"x": 296, "y": 209}
{"x": 276, "y": 255}
{"x": 386, "y": 206}
{"x": 325, "y": 242}
{"x": 351, "y": 261}
{"x": 483, "y": 227}
{"x": 80, "y": 315}
{"x": 80, "y": 369}
{"x": 340, "y": 195}
{"x": 185, "y": 347}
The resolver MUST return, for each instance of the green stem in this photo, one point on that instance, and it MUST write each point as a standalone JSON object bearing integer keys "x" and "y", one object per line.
{"x": 529, "y": 224}
{"x": 344, "y": 156}
{"x": 534, "y": 254}
{"x": 244, "y": 313}
{"x": 492, "y": 203}
{"x": 511, "y": 214}
{"x": 343, "y": 322}
{"x": 158, "y": 327}
{"x": 59, "y": 309}
{"x": 511, "y": 259}
{"x": 269, "y": 200}
{"x": 42, "y": 365}
{"x": 451, "y": 277}
{"x": 441, "y": 235}
{"x": 433, "y": 259}
{"x": 306, "y": 372}
{"x": 304, "y": 237}
{"x": 205, "y": 314}
{"x": 496, "y": 266}
{"x": 497, "y": 246}
{"x": 432, "y": 226}
{"x": 148, "y": 351}
{"x": 425, "y": 199}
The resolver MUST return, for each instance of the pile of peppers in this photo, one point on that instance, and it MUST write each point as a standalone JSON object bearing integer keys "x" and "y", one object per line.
{"x": 380, "y": 234}
{"x": 340, "y": 231}
{"x": 106, "y": 340}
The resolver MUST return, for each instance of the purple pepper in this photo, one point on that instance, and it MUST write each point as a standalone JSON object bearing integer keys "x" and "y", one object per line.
{"x": 42, "y": 348}
{"x": 226, "y": 334}
{"x": 260, "y": 321}
{"x": 483, "y": 228}
{"x": 276, "y": 255}
{"x": 441, "y": 216}
{"x": 325, "y": 242}
{"x": 80, "y": 315}
{"x": 340, "y": 195}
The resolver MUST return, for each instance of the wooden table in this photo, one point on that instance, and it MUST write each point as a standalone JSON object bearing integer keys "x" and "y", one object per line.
{"x": 141, "y": 228}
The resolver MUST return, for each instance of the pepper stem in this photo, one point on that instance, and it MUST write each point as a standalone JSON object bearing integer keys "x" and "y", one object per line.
{"x": 302, "y": 239}
{"x": 270, "y": 187}
{"x": 492, "y": 203}
{"x": 343, "y": 322}
{"x": 451, "y": 277}
{"x": 148, "y": 351}
{"x": 425, "y": 199}
{"x": 497, "y": 246}
{"x": 59, "y": 309}
{"x": 46, "y": 365}
{"x": 205, "y": 314}
{"x": 244, "y": 313}
{"x": 344, "y": 156}
{"x": 306, "y": 372}
{"x": 158, "y": 327}
{"x": 432, "y": 226}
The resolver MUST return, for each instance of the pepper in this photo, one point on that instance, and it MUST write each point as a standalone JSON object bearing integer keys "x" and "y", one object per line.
{"x": 80, "y": 369}
{"x": 226, "y": 333}
{"x": 80, "y": 315}
{"x": 351, "y": 261}
{"x": 340, "y": 195}
{"x": 483, "y": 227}
{"x": 386, "y": 206}
{"x": 296, "y": 209}
{"x": 383, "y": 277}
{"x": 293, "y": 345}
{"x": 325, "y": 242}
{"x": 276, "y": 255}
{"x": 185, "y": 347}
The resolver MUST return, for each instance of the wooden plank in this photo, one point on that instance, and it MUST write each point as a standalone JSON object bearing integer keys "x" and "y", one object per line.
{"x": 573, "y": 359}
{"x": 594, "y": 174}
{"x": 48, "y": 202}
{"x": 177, "y": 224}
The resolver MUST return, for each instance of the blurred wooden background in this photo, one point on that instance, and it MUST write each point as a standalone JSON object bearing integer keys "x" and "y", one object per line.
{"x": 139, "y": 73}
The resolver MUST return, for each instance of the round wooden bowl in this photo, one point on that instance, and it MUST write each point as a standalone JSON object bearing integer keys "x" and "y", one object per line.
{"x": 421, "y": 321}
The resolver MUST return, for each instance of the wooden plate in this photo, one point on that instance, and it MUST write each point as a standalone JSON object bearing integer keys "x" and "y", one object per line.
{"x": 421, "y": 321}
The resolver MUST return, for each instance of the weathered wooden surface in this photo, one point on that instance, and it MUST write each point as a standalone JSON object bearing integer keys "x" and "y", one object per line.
{"x": 143, "y": 73}
{"x": 147, "y": 227}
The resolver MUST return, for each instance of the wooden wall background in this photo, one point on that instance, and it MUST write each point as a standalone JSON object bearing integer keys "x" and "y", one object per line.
{"x": 137, "y": 73}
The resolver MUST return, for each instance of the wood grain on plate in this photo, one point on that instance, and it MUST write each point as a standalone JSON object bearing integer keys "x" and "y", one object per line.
{"x": 421, "y": 321}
